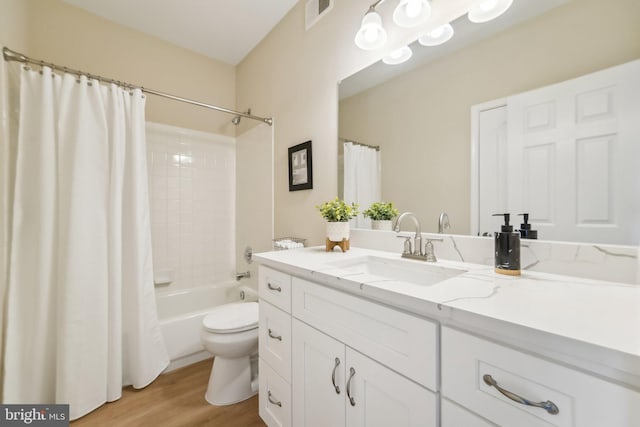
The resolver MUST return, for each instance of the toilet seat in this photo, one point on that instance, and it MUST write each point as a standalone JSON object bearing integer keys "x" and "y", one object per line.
{"x": 231, "y": 318}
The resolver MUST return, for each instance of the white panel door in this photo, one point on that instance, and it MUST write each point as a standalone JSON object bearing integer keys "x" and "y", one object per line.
{"x": 380, "y": 397}
{"x": 318, "y": 378}
{"x": 572, "y": 150}
{"x": 492, "y": 180}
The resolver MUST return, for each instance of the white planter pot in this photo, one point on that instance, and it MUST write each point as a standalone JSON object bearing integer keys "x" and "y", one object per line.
{"x": 336, "y": 231}
{"x": 383, "y": 224}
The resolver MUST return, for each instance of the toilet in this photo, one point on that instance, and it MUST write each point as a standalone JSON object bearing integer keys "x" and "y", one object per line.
{"x": 230, "y": 333}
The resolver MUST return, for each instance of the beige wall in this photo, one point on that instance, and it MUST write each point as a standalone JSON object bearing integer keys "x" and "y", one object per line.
{"x": 13, "y": 23}
{"x": 63, "y": 34}
{"x": 254, "y": 197}
{"x": 422, "y": 119}
{"x": 292, "y": 75}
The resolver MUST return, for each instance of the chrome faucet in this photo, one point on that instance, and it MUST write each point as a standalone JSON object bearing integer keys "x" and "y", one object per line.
{"x": 417, "y": 253}
{"x": 417, "y": 240}
{"x": 443, "y": 223}
{"x": 243, "y": 275}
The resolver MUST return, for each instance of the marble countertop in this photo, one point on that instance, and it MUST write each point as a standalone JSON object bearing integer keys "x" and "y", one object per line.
{"x": 593, "y": 322}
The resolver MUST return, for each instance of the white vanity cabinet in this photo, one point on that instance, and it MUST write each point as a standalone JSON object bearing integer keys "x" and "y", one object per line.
{"x": 569, "y": 397}
{"x": 475, "y": 350}
{"x": 351, "y": 362}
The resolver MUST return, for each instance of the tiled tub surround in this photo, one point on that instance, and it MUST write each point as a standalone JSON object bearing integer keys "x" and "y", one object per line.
{"x": 585, "y": 326}
{"x": 192, "y": 181}
{"x": 615, "y": 263}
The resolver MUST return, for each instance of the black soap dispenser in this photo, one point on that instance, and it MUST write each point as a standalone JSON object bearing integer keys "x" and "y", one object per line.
{"x": 525, "y": 228}
{"x": 507, "y": 249}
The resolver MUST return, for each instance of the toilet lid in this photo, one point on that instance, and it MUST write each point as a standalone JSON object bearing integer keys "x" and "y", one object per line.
{"x": 235, "y": 317}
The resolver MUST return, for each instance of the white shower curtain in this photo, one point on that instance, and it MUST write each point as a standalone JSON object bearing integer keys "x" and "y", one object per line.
{"x": 361, "y": 179}
{"x": 81, "y": 314}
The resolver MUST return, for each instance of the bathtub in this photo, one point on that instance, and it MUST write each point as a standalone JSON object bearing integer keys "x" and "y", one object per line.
{"x": 181, "y": 312}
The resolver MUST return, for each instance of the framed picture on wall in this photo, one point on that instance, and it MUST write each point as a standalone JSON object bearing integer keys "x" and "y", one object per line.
{"x": 300, "y": 167}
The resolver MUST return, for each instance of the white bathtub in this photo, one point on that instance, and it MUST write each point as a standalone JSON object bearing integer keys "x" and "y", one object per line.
{"x": 180, "y": 313}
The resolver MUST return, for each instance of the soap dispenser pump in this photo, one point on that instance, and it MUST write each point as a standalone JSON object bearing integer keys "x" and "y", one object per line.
{"x": 507, "y": 249}
{"x": 525, "y": 228}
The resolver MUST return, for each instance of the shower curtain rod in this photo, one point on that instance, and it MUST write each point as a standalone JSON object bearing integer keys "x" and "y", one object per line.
{"x": 375, "y": 147}
{"x": 10, "y": 55}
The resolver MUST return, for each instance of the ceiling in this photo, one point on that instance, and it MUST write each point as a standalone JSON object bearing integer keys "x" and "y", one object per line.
{"x": 226, "y": 30}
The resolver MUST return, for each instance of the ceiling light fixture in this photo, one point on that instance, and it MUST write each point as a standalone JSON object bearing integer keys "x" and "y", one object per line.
{"x": 398, "y": 56}
{"x": 438, "y": 36}
{"x": 486, "y": 10}
{"x": 411, "y": 13}
{"x": 371, "y": 34}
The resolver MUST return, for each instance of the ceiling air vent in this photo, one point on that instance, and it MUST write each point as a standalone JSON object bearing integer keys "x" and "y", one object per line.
{"x": 316, "y": 9}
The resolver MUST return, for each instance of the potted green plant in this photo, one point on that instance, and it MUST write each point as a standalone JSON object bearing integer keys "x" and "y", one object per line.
{"x": 337, "y": 213}
{"x": 381, "y": 214}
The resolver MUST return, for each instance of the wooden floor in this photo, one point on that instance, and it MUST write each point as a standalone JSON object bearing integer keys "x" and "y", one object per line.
{"x": 173, "y": 400}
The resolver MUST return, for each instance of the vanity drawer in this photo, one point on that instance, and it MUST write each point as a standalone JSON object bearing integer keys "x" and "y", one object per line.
{"x": 453, "y": 415}
{"x": 275, "y": 339}
{"x": 275, "y": 287}
{"x": 403, "y": 342}
{"x": 274, "y": 397}
{"x": 582, "y": 400}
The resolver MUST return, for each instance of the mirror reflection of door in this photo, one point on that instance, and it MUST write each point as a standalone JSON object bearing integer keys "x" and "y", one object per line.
{"x": 492, "y": 151}
{"x": 566, "y": 155}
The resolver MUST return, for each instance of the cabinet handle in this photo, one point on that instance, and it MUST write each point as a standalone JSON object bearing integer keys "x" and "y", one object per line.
{"x": 352, "y": 372}
{"x": 333, "y": 376}
{"x": 548, "y": 406}
{"x": 274, "y": 288}
{"x": 275, "y": 337}
{"x": 273, "y": 402}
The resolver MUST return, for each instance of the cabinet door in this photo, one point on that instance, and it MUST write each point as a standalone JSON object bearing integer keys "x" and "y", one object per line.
{"x": 318, "y": 378}
{"x": 378, "y": 396}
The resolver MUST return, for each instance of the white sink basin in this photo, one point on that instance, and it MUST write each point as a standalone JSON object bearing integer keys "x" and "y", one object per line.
{"x": 385, "y": 269}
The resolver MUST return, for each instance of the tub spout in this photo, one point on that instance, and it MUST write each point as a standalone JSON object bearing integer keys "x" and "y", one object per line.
{"x": 244, "y": 275}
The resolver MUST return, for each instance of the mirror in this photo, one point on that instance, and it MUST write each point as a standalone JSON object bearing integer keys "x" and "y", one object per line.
{"x": 419, "y": 112}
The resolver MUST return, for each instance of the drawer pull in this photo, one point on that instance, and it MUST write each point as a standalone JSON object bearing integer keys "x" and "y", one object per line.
{"x": 352, "y": 373}
{"x": 273, "y": 402}
{"x": 275, "y": 337}
{"x": 333, "y": 376}
{"x": 548, "y": 406}
{"x": 274, "y": 288}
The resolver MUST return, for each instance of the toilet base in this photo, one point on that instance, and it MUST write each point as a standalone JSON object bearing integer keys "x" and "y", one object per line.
{"x": 230, "y": 381}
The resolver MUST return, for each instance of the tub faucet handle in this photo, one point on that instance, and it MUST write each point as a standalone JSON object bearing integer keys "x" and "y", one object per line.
{"x": 243, "y": 275}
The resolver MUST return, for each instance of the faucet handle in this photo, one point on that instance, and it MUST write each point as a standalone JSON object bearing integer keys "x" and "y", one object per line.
{"x": 407, "y": 244}
{"x": 429, "y": 253}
